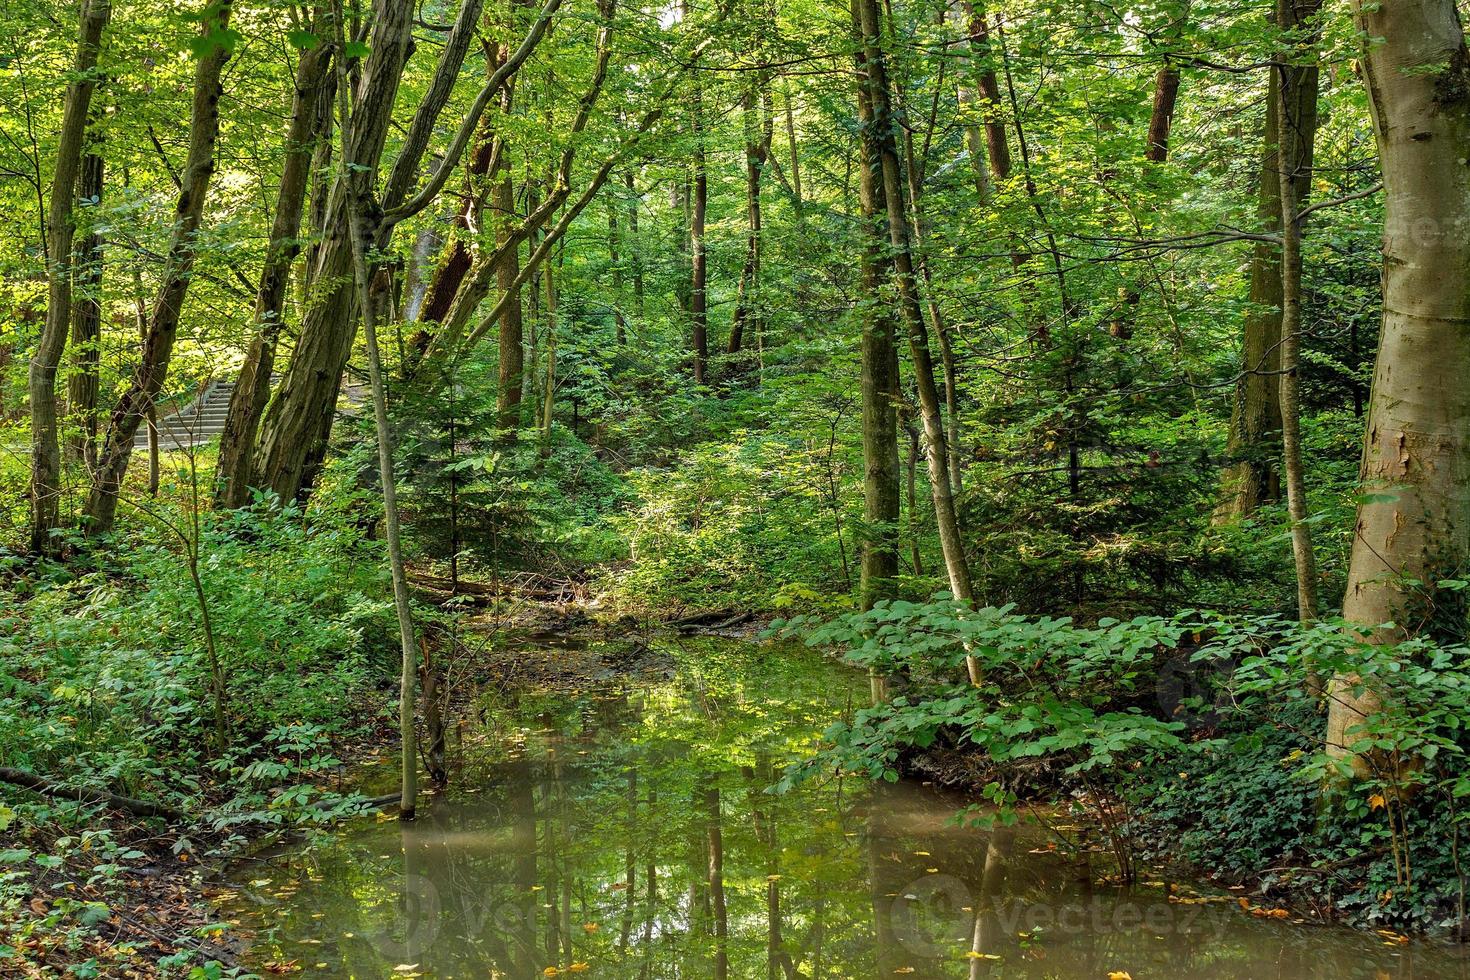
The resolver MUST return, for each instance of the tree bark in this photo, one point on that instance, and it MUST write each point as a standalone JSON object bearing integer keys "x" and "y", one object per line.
{"x": 982, "y": 65}
{"x": 636, "y": 252}
{"x": 298, "y": 420}
{"x": 549, "y": 396}
{"x": 615, "y": 267}
{"x": 758, "y": 134}
{"x": 1413, "y": 522}
{"x": 86, "y": 325}
{"x": 85, "y": 794}
{"x": 1252, "y": 476}
{"x": 512, "y": 320}
{"x": 880, "y": 385}
{"x": 1161, "y": 119}
{"x": 883, "y": 149}
{"x": 698, "y": 260}
{"x": 60, "y": 232}
{"x": 311, "y": 123}
{"x": 168, "y": 307}
{"x": 1295, "y": 15}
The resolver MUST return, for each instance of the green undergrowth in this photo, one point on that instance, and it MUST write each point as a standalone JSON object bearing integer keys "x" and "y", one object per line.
{"x": 1190, "y": 737}
{"x": 106, "y": 683}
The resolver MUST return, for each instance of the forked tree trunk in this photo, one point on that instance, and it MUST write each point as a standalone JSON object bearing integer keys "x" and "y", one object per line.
{"x": 298, "y": 420}
{"x": 60, "y": 232}
{"x": 311, "y": 123}
{"x": 1413, "y": 524}
{"x": 163, "y": 323}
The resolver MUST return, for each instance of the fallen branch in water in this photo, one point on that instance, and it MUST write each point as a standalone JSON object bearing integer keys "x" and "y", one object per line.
{"x": 85, "y": 794}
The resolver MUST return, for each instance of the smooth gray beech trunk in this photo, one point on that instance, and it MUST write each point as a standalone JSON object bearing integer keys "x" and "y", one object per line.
{"x": 1413, "y": 524}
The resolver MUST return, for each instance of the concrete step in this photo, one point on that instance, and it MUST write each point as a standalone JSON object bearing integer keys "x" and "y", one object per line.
{"x": 195, "y": 423}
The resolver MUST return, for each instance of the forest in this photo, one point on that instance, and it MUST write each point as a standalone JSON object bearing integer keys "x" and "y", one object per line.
{"x": 734, "y": 488}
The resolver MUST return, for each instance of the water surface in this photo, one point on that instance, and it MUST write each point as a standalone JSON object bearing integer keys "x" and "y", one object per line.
{"x": 621, "y": 829}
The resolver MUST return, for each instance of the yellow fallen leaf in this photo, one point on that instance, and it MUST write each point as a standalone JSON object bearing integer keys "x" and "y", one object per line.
{"x": 578, "y": 968}
{"x": 904, "y": 969}
{"x": 1119, "y": 975}
{"x": 972, "y": 955}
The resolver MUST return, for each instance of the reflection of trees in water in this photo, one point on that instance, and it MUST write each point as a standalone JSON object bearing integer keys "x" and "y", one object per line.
{"x": 638, "y": 838}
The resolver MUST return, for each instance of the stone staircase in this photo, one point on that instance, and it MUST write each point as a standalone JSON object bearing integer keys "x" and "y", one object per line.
{"x": 195, "y": 423}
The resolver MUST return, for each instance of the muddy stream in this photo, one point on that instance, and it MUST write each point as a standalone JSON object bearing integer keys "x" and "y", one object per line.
{"x": 619, "y": 826}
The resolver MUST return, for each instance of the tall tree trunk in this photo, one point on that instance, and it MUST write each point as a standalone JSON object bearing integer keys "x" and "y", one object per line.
{"x": 758, "y": 133}
{"x": 791, "y": 148}
{"x": 636, "y": 252}
{"x": 311, "y": 124}
{"x": 168, "y": 307}
{"x": 982, "y": 65}
{"x": 698, "y": 261}
{"x": 615, "y": 266}
{"x": 512, "y": 319}
{"x": 882, "y": 148}
{"x": 549, "y": 396}
{"x": 1252, "y": 477}
{"x": 1413, "y": 525}
{"x": 361, "y": 235}
{"x": 880, "y": 390}
{"x": 86, "y": 324}
{"x": 60, "y": 232}
{"x": 1295, "y": 16}
{"x": 915, "y": 168}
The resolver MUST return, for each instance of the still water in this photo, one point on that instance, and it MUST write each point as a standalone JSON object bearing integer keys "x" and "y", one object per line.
{"x": 621, "y": 829}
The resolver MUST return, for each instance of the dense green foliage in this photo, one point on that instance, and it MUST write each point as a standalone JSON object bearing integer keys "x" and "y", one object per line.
{"x": 1193, "y": 736}
{"x": 627, "y": 363}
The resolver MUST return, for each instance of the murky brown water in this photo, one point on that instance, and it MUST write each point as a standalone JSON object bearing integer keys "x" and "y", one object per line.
{"x": 623, "y": 831}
